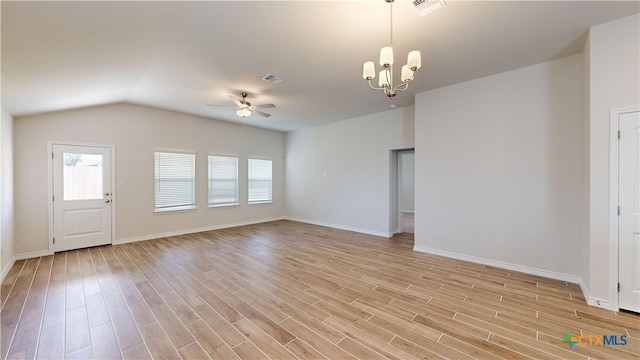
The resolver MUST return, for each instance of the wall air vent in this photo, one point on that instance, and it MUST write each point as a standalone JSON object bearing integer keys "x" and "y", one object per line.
{"x": 272, "y": 79}
{"x": 425, "y": 7}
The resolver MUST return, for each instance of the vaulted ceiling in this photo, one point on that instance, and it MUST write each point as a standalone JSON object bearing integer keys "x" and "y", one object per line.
{"x": 183, "y": 55}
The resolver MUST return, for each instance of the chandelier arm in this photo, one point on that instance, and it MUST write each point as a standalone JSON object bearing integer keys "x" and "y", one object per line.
{"x": 402, "y": 87}
{"x": 375, "y": 88}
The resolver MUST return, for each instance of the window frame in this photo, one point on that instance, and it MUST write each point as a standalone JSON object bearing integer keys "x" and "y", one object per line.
{"x": 237, "y": 185}
{"x": 177, "y": 207}
{"x": 249, "y": 179}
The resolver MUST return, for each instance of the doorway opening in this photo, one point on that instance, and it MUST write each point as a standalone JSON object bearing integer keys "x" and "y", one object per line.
{"x": 402, "y": 204}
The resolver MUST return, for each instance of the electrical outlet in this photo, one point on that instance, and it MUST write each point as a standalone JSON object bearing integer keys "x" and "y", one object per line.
{"x": 438, "y": 235}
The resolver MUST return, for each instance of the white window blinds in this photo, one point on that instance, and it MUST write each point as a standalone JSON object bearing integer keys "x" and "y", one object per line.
{"x": 223, "y": 181}
{"x": 174, "y": 181}
{"x": 259, "y": 181}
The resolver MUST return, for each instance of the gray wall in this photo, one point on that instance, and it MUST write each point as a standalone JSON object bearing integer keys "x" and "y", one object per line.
{"x": 136, "y": 132}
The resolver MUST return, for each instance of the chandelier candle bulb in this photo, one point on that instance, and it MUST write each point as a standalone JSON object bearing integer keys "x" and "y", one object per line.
{"x": 407, "y": 74}
{"x": 384, "y": 80}
{"x": 368, "y": 70}
{"x": 386, "y": 56}
{"x": 414, "y": 60}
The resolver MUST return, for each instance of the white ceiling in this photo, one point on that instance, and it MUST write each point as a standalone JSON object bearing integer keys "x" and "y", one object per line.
{"x": 183, "y": 55}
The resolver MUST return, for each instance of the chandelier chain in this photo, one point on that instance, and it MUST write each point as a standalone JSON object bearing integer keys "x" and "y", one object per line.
{"x": 391, "y": 24}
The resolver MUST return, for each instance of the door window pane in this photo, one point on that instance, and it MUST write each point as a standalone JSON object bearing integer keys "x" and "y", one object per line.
{"x": 82, "y": 176}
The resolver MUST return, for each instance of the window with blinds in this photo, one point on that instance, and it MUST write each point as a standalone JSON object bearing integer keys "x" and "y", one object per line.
{"x": 174, "y": 181}
{"x": 223, "y": 181}
{"x": 259, "y": 181}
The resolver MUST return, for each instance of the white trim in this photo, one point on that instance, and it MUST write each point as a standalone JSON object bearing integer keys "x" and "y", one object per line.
{"x": 192, "y": 231}
{"x": 342, "y": 227}
{"x": 175, "y": 209}
{"x": 594, "y": 301}
{"x": 614, "y": 126}
{"x": 524, "y": 269}
{"x": 395, "y": 222}
{"x": 601, "y": 303}
{"x": 396, "y": 225}
{"x": 613, "y": 212}
{"x": 6, "y": 269}
{"x": 112, "y": 152}
{"x": 33, "y": 254}
{"x": 49, "y": 155}
{"x": 24, "y": 256}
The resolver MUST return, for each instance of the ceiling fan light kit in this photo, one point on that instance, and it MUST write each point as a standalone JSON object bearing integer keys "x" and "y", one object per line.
{"x": 414, "y": 62}
{"x": 244, "y": 108}
{"x": 243, "y": 112}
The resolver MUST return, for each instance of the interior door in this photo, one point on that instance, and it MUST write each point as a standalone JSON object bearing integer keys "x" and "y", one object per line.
{"x": 629, "y": 215}
{"x": 82, "y": 196}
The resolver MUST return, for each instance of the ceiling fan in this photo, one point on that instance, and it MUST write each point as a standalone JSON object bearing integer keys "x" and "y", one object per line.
{"x": 244, "y": 108}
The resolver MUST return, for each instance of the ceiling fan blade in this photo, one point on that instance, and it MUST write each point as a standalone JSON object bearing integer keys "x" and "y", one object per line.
{"x": 258, "y": 112}
{"x": 235, "y": 100}
{"x": 223, "y": 106}
{"x": 264, "y": 106}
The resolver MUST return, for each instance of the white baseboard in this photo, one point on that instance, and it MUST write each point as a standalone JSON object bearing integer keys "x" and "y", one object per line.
{"x": 597, "y": 302}
{"x": 342, "y": 227}
{"x": 24, "y": 256}
{"x": 6, "y": 269}
{"x": 504, "y": 265}
{"x": 192, "y": 231}
{"x": 33, "y": 254}
{"x": 601, "y": 303}
{"x": 593, "y": 301}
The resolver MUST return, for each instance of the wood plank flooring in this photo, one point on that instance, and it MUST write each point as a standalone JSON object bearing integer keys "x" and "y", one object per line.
{"x": 408, "y": 220}
{"x": 287, "y": 290}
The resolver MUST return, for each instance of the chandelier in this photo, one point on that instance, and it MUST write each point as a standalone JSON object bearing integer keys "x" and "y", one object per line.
{"x": 385, "y": 80}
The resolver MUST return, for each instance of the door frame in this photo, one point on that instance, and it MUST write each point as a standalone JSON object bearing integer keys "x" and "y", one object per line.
{"x": 614, "y": 171}
{"x": 112, "y": 153}
{"x": 395, "y": 182}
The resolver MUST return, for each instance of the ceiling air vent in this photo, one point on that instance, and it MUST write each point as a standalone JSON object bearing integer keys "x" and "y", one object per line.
{"x": 272, "y": 79}
{"x": 425, "y": 7}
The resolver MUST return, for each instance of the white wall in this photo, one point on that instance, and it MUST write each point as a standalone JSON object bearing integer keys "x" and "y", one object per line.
{"x": 7, "y": 235}
{"x": 614, "y": 82}
{"x": 339, "y": 174}
{"x": 136, "y": 132}
{"x": 498, "y": 169}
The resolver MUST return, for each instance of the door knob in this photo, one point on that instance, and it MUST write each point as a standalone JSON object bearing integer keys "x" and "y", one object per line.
{"x": 107, "y": 201}
{"x": 107, "y": 194}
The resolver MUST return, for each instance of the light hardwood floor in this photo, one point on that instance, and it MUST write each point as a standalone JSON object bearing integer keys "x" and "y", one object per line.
{"x": 408, "y": 220}
{"x": 286, "y": 290}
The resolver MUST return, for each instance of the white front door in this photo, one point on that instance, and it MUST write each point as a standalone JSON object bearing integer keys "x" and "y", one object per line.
{"x": 629, "y": 215}
{"x": 82, "y": 196}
